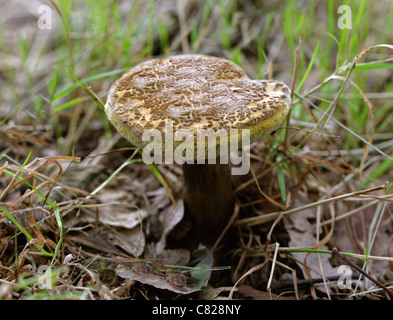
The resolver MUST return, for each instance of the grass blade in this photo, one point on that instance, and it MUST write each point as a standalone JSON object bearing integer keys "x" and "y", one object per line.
{"x": 72, "y": 87}
{"x": 23, "y": 230}
{"x": 309, "y": 67}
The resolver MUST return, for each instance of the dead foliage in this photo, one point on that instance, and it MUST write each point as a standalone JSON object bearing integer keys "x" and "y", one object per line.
{"x": 88, "y": 219}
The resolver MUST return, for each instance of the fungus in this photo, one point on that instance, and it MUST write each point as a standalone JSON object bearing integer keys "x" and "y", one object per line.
{"x": 180, "y": 97}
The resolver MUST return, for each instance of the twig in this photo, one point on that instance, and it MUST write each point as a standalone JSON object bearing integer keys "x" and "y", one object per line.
{"x": 253, "y": 269}
{"x": 353, "y": 255}
{"x": 272, "y": 216}
{"x": 268, "y": 288}
{"x": 360, "y": 270}
{"x": 301, "y": 283}
{"x": 231, "y": 220}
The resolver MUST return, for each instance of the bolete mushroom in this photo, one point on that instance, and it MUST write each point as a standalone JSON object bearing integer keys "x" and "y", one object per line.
{"x": 193, "y": 94}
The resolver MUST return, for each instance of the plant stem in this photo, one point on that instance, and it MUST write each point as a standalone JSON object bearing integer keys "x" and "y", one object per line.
{"x": 360, "y": 270}
{"x": 208, "y": 199}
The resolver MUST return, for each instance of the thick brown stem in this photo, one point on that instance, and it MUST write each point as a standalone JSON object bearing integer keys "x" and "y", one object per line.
{"x": 208, "y": 199}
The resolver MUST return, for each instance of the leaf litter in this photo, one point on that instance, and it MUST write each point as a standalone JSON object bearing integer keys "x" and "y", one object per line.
{"x": 112, "y": 244}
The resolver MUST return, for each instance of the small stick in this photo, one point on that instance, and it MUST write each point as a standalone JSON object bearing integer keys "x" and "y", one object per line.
{"x": 360, "y": 270}
{"x": 283, "y": 285}
{"x": 229, "y": 224}
{"x": 252, "y": 221}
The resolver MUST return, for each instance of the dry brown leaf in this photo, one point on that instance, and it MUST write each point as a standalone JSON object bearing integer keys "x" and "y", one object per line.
{"x": 124, "y": 219}
{"x": 169, "y": 219}
{"x": 302, "y": 234}
{"x": 130, "y": 240}
{"x": 158, "y": 277}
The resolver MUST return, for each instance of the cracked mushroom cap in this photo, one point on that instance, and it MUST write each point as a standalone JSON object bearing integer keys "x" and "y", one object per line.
{"x": 194, "y": 92}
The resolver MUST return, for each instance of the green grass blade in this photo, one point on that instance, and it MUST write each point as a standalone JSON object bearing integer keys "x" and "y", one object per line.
{"x": 380, "y": 170}
{"x": 114, "y": 174}
{"x": 53, "y": 206}
{"x": 52, "y": 84}
{"x": 373, "y": 66}
{"x": 28, "y": 157}
{"x": 281, "y": 181}
{"x": 88, "y": 91}
{"x": 72, "y": 87}
{"x": 69, "y": 104}
{"x": 310, "y": 65}
{"x": 23, "y": 230}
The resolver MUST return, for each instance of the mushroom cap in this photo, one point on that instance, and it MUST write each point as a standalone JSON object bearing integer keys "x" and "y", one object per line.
{"x": 194, "y": 92}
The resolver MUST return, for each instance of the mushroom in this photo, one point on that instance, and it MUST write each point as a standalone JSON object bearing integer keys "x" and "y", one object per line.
{"x": 182, "y": 96}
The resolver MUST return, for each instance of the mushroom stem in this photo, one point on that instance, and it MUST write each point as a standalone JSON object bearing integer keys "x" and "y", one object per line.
{"x": 208, "y": 199}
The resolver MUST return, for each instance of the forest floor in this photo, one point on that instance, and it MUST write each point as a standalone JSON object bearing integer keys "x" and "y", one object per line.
{"x": 82, "y": 217}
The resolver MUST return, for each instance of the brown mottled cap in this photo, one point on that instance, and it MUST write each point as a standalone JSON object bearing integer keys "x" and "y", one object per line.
{"x": 195, "y": 92}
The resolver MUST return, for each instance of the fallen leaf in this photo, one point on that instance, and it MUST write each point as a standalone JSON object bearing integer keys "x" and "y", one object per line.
{"x": 158, "y": 276}
{"x": 130, "y": 240}
{"x": 201, "y": 272}
{"x": 126, "y": 219}
{"x": 169, "y": 219}
{"x": 302, "y": 234}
